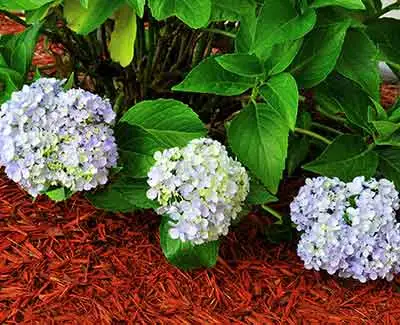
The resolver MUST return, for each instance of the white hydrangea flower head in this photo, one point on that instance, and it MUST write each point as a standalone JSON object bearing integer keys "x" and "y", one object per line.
{"x": 200, "y": 188}
{"x": 349, "y": 228}
{"x": 55, "y": 138}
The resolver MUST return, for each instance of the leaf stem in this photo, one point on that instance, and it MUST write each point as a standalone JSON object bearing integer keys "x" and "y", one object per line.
{"x": 220, "y": 32}
{"x": 326, "y": 128}
{"x": 313, "y": 135}
{"x": 274, "y": 213}
{"x": 330, "y": 116}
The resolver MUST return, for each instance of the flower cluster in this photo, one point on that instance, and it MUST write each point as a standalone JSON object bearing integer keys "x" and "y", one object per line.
{"x": 349, "y": 228}
{"x": 200, "y": 188}
{"x": 55, "y": 138}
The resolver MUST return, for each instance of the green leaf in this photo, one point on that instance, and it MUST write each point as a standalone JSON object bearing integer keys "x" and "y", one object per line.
{"x": 59, "y": 194}
{"x": 281, "y": 93}
{"x": 155, "y": 125}
{"x": 210, "y": 77}
{"x": 352, "y": 99}
{"x": 70, "y": 82}
{"x": 245, "y": 36}
{"x": 185, "y": 255}
{"x": 10, "y": 81}
{"x": 259, "y": 137}
{"x": 385, "y": 129}
{"x": 385, "y": 33}
{"x": 231, "y": 10}
{"x": 373, "y": 6}
{"x": 389, "y": 164}
{"x": 348, "y": 4}
{"x": 347, "y": 157}
{"x": 22, "y": 4}
{"x": 325, "y": 95}
{"x": 194, "y": 13}
{"x": 37, "y": 15}
{"x": 320, "y": 51}
{"x": 123, "y": 37}
{"x": 279, "y": 22}
{"x": 18, "y": 49}
{"x": 138, "y": 5}
{"x": 85, "y": 20}
{"x": 245, "y": 65}
{"x": 258, "y": 194}
{"x": 299, "y": 148}
{"x": 359, "y": 63}
{"x": 282, "y": 55}
{"x": 85, "y": 3}
{"x": 395, "y": 112}
{"x": 125, "y": 194}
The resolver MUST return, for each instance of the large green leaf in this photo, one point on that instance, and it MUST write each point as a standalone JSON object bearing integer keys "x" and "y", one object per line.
{"x": 85, "y": 20}
{"x": 22, "y": 4}
{"x": 320, "y": 51}
{"x": 373, "y": 6}
{"x": 138, "y": 5}
{"x": 245, "y": 37}
{"x": 18, "y": 49}
{"x": 359, "y": 62}
{"x": 347, "y": 157}
{"x": 351, "y": 99}
{"x": 232, "y": 10}
{"x": 185, "y": 255}
{"x": 152, "y": 126}
{"x": 245, "y": 65}
{"x": 385, "y": 130}
{"x": 281, "y": 56}
{"x": 259, "y": 137}
{"x": 35, "y": 16}
{"x": 281, "y": 93}
{"x": 10, "y": 81}
{"x": 195, "y": 13}
{"x": 389, "y": 164}
{"x": 210, "y": 77}
{"x": 349, "y": 4}
{"x": 299, "y": 147}
{"x": 386, "y": 34}
{"x": 325, "y": 96}
{"x": 59, "y": 194}
{"x": 279, "y": 22}
{"x": 258, "y": 194}
{"x": 123, "y": 37}
{"x": 124, "y": 194}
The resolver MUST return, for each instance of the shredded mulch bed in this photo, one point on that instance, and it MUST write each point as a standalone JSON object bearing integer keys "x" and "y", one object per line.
{"x": 69, "y": 263}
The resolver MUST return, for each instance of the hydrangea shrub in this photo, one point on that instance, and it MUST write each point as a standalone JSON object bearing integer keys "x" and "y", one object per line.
{"x": 52, "y": 138}
{"x": 349, "y": 228}
{"x": 280, "y": 64}
{"x": 200, "y": 188}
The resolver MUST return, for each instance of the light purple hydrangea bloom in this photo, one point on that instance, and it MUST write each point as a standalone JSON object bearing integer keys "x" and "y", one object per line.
{"x": 55, "y": 138}
{"x": 349, "y": 228}
{"x": 200, "y": 188}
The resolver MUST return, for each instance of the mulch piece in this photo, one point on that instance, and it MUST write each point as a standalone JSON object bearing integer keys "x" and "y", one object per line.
{"x": 69, "y": 263}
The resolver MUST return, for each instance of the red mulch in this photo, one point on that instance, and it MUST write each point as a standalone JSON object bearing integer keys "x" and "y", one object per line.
{"x": 69, "y": 263}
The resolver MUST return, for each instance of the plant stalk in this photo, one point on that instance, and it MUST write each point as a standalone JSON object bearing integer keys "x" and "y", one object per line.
{"x": 313, "y": 135}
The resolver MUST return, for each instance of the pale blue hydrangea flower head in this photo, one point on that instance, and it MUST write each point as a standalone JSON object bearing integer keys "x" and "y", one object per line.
{"x": 349, "y": 228}
{"x": 200, "y": 188}
{"x": 55, "y": 138}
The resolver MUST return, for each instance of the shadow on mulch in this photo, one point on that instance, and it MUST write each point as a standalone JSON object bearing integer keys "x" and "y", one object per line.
{"x": 69, "y": 263}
